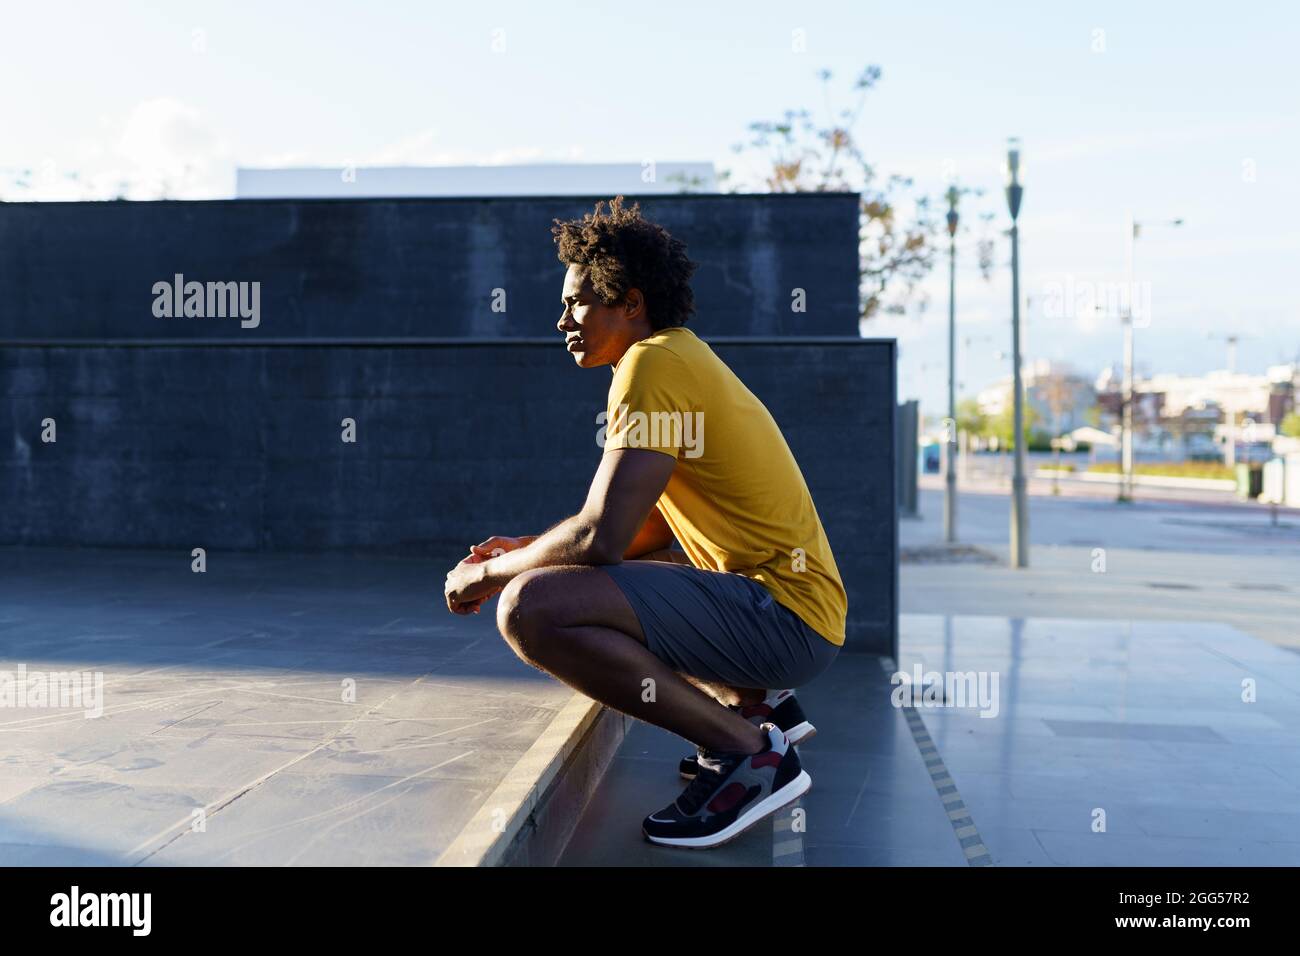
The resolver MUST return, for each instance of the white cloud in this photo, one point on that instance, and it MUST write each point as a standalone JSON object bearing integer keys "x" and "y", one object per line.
{"x": 169, "y": 150}
{"x": 163, "y": 149}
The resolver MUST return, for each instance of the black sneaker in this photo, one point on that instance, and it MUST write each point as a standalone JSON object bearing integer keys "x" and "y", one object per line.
{"x": 730, "y": 793}
{"x": 780, "y": 708}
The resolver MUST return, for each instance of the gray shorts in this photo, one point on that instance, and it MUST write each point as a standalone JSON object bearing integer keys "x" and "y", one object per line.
{"x": 721, "y": 627}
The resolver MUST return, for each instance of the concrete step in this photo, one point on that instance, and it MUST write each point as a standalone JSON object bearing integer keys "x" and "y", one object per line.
{"x": 872, "y": 801}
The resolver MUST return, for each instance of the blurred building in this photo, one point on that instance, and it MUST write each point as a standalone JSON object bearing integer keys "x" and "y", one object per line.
{"x": 1239, "y": 392}
{"x": 1060, "y": 398}
{"x": 1194, "y": 415}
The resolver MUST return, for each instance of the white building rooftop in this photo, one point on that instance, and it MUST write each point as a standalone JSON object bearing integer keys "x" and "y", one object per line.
{"x": 537, "y": 179}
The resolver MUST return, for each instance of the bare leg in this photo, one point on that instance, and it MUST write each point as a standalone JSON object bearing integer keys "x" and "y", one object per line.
{"x": 728, "y": 694}
{"x": 575, "y": 624}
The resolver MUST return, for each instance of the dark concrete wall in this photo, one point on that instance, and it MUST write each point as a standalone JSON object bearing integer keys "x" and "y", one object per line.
{"x": 182, "y": 433}
{"x": 375, "y": 269}
{"x": 239, "y": 447}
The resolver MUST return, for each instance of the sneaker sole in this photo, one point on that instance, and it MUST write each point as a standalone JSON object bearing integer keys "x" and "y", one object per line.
{"x": 787, "y": 795}
{"x": 801, "y": 732}
{"x": 798, "y": 734}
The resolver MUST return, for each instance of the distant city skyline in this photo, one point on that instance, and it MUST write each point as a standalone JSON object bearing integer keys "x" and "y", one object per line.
{"x": 1167, "y": 110}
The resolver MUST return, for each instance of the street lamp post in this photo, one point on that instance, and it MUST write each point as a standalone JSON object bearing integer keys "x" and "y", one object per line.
{"x": 1231, "y": 410}
{"x": 1126, "y": 436}
{"x": 1126, "y": 433}
{"x": 1230, "y": 414}
{"x": 1019, "y": 506}
{"x": 950, "y": 442}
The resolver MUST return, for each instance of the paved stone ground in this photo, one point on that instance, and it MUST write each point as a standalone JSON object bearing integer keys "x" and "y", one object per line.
{"x": 223, "y": 692}
{"x": 872, "y": 801}
{"x": 1141, "y": 725}
{"x": 1203, "y": 561}
{"x": 1111, "y": 743}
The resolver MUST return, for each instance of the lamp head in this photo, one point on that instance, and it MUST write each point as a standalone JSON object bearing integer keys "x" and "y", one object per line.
{"x": 1015, "y": 190}
{"x": 1012, "y": 167}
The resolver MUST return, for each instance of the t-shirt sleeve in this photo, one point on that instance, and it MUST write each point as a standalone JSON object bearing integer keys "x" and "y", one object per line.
{"x": 650, "y": 403}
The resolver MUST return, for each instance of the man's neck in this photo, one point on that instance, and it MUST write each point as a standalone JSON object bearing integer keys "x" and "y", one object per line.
{"x": 640, "y": 338}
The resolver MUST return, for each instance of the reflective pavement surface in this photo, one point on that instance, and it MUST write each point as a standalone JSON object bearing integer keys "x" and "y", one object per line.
{"x": 1106, "y": 743}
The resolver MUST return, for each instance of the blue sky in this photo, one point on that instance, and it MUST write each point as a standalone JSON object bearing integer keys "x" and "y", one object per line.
{"x": 1185, "y": 110}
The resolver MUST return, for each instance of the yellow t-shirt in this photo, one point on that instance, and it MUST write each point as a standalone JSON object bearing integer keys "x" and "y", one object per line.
{"x": 736, "y": 501}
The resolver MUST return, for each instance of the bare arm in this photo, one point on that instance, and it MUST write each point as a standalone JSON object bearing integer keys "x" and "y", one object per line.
{"x": 650, "y": 543}
{"x": 653, "y": 538}
{"x": 623, "y": 493}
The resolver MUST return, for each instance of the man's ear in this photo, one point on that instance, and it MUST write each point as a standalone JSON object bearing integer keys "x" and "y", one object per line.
{"x": 633, "y": 304}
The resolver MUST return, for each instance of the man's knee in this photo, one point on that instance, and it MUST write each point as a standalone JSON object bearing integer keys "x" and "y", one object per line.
{"x": 537, "y": 608}
{"x": 523, "y": 612}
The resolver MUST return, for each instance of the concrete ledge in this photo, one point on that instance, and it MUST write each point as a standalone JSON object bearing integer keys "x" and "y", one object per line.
{"x": 528, "y": 819}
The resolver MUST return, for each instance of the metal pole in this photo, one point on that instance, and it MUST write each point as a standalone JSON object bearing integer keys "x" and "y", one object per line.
{"x": 950, "y": 443}
{"x": 1019, "y": 508}
{"x": 907, "y": 418}
{"x": 1126, "y": 441}
{"x": 1230, "y": 457}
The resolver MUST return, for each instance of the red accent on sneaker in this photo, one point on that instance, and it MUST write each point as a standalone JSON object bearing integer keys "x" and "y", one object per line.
{"x": 756, "y": 710}
{"x": 727, "y": 797}
{"x": 768, "y": 758}
{"x": 783, "y": 695}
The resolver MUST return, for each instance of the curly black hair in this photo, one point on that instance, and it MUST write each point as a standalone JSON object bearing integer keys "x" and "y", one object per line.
{"x": 620, "y": 251}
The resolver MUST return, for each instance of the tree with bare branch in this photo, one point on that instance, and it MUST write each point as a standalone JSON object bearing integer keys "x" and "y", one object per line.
{"x": 800, "y": 153}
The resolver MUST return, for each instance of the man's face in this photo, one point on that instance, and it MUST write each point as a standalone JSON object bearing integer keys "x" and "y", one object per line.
{"x": 594, "y": 333}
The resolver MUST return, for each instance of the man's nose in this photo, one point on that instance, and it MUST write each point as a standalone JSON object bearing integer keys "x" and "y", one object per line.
{"x": 566, "y": 322}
